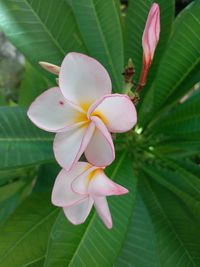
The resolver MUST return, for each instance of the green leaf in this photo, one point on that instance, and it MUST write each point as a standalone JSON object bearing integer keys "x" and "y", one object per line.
{"x": 162, "y": 228}
{"x": 33, "y": 84}
{"x": 11, "y": 195}
{"x": 63, "y": 241}
{"x": 24, "y": 236}
{"x": 135, "y": 22}
{"x": 181, "y": 122}
{"x": 100, "y": 28}
{"x": 177, "y": 132}
{"x": 176, "y": 178}
{"x": 21, "y": 143}
{"x": 92, "y": 244}
{"x": 182, "y": 56}
{"x": 140, "y": 240}
{"x": 46, "y": 176}
{"x": 36, "y": 263}
{"x": 178, "y": 148}
{"x": 10, "y": 174}
{"x": 41, "y": 30}
{"x": 186, "y": 87}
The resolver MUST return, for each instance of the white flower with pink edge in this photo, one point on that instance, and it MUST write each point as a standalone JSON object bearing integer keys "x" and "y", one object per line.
{"x": 82, "y": 112}
{"x": 78, "y": 190}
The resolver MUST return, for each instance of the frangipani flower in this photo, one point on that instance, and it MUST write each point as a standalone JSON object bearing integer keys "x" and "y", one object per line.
{"x": 78, "y": 190}
{"x": 83, "y": 112}
{"x": 151, "y": 34}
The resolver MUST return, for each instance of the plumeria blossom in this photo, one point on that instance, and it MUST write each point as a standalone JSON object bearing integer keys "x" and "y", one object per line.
{"x": 78, "y": 190}
{"x": 83, "y": 112}
{"x": 151, "y": 34}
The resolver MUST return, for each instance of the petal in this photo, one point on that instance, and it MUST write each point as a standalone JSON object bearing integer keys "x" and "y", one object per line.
{"x": 100, "y": 150}
{"x": 51, "y": 112}
{"x": 116, "y": 111}
{"x": 83, "y": 79}
{"x": 62, "y": 194}
{"x": 151, "y": 33}
{"x": 81, "y": 182}
{"x": 50, "y": 67}
{"x": 69, "y": 146}
{"x": 78, "y": 213}
{"x": 103, "y": 211}
{"x": 101, "y": 185}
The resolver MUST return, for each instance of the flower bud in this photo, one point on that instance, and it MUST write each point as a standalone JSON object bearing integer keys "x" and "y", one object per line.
{"x": 151, "y": 34}
{"x": 50, "y": 67}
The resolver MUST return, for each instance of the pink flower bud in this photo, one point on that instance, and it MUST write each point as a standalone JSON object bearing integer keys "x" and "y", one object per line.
{"x": 151, "y": 34}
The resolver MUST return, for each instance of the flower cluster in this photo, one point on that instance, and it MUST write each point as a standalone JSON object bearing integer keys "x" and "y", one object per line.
{"x": 83, "y": 113}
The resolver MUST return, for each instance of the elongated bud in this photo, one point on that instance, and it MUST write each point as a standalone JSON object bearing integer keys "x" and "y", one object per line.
{"x": 150, "y": 40}
{"x": 151, "y": 35}
{"x": 50, "y": 67}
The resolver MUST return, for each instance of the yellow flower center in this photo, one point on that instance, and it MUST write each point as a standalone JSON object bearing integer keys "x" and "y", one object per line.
{"x": 82, "y": 117}
{"x": 100, "y": 116}
{"x": 93, "y": 173}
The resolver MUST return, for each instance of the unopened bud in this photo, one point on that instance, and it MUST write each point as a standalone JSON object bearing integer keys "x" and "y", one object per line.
{"x": 151, "y": 35}
{"x": 50, "y": 67}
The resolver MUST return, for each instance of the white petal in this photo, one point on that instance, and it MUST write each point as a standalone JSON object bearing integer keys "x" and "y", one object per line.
{"x": 116, "y": 111}
{"x": 69, "y": 146}
{"x": 101, "y": 185}
{"x": 103, "y": 211}
{"x": 78, "y": 213}
{"x": 62, "y": 194}
{"x": 51, "y": 112}
{"x": 83, "y": 79}
{"x": 81, "y": 182}
{"x": 100, "y": 150}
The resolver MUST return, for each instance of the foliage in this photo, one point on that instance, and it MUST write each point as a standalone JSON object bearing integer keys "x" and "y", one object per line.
{"x": 157, "y": 223}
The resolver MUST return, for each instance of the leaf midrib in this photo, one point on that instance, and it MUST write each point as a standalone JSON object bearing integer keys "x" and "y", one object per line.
{"x": 171, "y": 225}
{"x": 45, "y": 27}
{"x": 104, "y": 39}
{"x": 178, "y": 83}
{"x": 27, "y": 233}
{"x": 94, "y": 215}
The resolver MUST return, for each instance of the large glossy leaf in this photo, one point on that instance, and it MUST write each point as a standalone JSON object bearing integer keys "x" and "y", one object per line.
{"x": 182, "y": 56}
{"x": 135, "y": 23}
{"x": 177, "y": 147}
{"x": 92, "y": 244}
{"x": 11, "y": 195}
{"x": 177, "y": 131}
{"x": 163, "y": 229}
{"x": 21, "y": 143}
{"x": 100, "y": 28}
{"x": 181, "y": 122}
{"x": 140, "y": 240}
{"x": 11, "y": 174}
{"x": 177, "y": 178}
{"x": 24, "y": 236}
{"x": 42, "y": 30}
{"x": 187, "y": 87}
